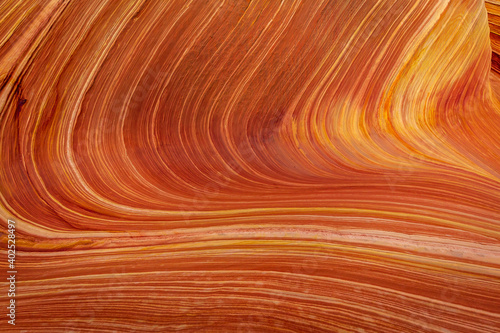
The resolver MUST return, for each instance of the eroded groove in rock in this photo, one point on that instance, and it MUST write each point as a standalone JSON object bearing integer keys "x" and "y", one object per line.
{"x": 251, "y": 166}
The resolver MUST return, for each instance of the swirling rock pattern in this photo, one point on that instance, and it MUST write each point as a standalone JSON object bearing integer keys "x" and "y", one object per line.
{"x": 252, "y": 166}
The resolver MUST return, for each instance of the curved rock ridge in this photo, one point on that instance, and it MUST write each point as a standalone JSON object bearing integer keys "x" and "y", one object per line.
{"x": 251, "y": 165}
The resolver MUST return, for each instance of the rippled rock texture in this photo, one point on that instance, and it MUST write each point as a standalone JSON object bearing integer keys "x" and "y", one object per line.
{"x": 251, "y": 166}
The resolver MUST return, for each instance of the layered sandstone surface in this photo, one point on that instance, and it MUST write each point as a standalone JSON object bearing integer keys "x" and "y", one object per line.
{"x": 251, "y": 166}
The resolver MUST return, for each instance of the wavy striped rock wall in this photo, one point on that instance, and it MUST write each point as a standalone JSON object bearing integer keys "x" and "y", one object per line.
{"x": 251, "y": 166}
{"x": 493, "y": 8}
